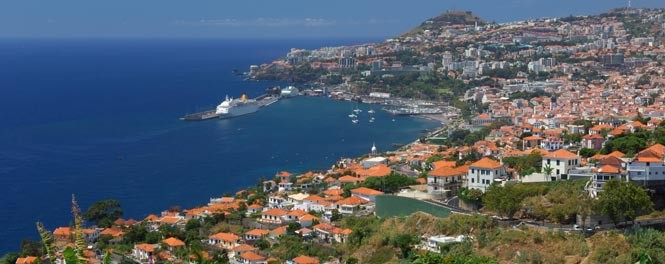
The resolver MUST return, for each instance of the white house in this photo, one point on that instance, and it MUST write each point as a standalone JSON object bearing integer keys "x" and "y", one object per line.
{"x": 143, "y": 252}
{"x": 366, "y": 193}
{"x": 224, "y": 240}
{"x": 648, "y": 165}
{"x": 560, "y": 161}
{"x": 483, "y": 173}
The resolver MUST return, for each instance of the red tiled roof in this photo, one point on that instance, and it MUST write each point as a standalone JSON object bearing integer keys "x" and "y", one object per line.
{"x": 173, "y": 242}
{"x": 486, "y": 163}
{"x": 302, "y": 259}
{"x": 366, "y": 191}
{"x": 561, "y": 154}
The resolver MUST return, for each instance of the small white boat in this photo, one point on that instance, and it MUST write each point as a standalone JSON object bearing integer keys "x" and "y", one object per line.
{"x": 355, "y": 121}
{"x": 353, "y": 116}
{"x": 357, "y": 110}
{"x": 371, "y": 111}
{"x": 393, "y": 119}
{"x": 371, "y": 120}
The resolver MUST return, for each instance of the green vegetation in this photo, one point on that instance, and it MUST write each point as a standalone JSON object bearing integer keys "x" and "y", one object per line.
{"x": 103, "y": 213}
{"x": 623, "y": 201}
{"x": 558, "y": 202}
{"x": 388, "y": 184}
{"x": 525, "y": 165}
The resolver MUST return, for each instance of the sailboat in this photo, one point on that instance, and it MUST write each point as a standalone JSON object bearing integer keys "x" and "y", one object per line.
{"x": 353, "y": 116}
{"x": 371, "y": 111}
{"x": 371, "y": 120}
{"x": 355, "y": 121}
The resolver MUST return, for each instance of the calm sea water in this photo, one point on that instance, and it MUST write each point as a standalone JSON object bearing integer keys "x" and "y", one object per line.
{"x": 99, "y": 118}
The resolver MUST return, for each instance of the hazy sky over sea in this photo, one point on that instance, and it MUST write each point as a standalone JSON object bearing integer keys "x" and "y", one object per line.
{"x": 264, "y": 18}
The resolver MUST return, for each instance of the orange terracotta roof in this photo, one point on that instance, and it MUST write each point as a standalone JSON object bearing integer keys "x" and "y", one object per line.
{"x": 486, "y": 163}
{"x": 26, "y": 260}
{"x": 366, "y": 191}
{"x": 539, "y": 150}
{"x": 275, "y": 212}
{"x": 229, "y": 237}
{"x": 302, "y": 259}
{"x": 243, "y": 248}
{"x": 279, "y": 231}
{"x": 378, "y": 170}
{"x": 617, "y": 154}
{"x": 561, "y": 154}
{"x": 353, "y": 200}
{"x": 257, "y": 232}
{"x": 447, "y": 172}
{"x": 173, "y": 242}
{"x": 443, "y": 163}
{"x": 308, "y": 217}
{"x": 349, "y": 179}
{"x": 609, "y": 169}
{"x": 333, "y": 192}
{"x": 145, "y": 247}
{"x": 112, "y": 231}
{"x": 313, "y": 198}
{"x": 151, "y": 218}
{"x": 529, "y": 138}
{"x": 251, "y": 256}
{"x": 62, "y": 231}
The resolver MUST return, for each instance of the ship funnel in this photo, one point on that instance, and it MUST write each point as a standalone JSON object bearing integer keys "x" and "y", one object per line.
{"x": 244, "y": 97}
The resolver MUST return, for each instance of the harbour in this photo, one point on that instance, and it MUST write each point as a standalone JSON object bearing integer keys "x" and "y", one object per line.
{"x": 249, "y": 106}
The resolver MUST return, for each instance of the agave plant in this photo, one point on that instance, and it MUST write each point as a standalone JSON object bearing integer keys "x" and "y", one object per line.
{"x": 79, "y": 240}
{"x": 47, "y": 241}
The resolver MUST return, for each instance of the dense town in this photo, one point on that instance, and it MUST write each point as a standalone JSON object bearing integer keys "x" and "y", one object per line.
{"x": 553, "y": 152}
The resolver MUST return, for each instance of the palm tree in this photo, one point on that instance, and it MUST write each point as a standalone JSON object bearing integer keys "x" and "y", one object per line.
{"x": 548, "y": 171}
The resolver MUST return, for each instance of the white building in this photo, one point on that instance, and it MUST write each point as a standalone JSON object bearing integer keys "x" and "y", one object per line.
{"x": 560, "y": 161}
{"x": 648, "y": 165}
{"x": 483, "y": 173}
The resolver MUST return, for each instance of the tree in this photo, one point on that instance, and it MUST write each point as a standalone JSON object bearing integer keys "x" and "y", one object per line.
{"x": 587, "y": 152}
{"x": 548, "y": 171}
{"x": 506, "y": 200}
{"x": 404, "y": 242}
{"x": 103, "y": 213}
{"x": 292, "y": 228}
{"x": 31, "y": 247}
{"x": 335, "y": 215}
{"x": 9, "y": 258}
{"x": 622, "y": 201}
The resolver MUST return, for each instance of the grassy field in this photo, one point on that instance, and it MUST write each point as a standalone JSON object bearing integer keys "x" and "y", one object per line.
{"x": 389, "y": 206}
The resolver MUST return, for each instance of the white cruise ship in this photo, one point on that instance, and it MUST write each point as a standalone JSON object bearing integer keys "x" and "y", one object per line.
{"x": 237, "y": 107}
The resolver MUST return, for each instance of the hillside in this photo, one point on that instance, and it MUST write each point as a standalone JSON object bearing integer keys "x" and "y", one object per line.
{"x": 448, "y": 18}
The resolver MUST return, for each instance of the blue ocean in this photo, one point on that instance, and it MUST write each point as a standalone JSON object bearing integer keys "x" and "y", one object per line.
{"x": 100, "y": 119}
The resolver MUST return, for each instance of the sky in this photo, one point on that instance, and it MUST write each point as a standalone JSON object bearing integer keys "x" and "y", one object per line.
{"x": 263, "y": 18}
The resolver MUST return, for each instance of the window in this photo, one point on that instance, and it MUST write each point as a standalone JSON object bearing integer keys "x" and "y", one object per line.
{"x": 472, "y": 180}
{"x": 548, "y": 161}
{"x": 557, "y": 162}
{"x": 473, "y": 170}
